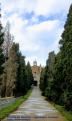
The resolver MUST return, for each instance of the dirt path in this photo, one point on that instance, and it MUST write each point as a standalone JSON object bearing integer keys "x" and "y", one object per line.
{"x": 36, "y": 109}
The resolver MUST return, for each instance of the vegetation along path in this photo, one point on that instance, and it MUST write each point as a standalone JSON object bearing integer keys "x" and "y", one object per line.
{"x": 36, "y": 109}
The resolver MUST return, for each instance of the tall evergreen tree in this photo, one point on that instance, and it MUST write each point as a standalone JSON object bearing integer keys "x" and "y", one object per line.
{"x": 62, "y": 84}
{"x": 1, "y": 51}
{"x": 21, "y": 83}
{"x": 66, "y": 58}
{"x": 41, "y": 85}
{"x": 29, "y": 75}
{"x": 60, "y": 88}
{"x": 1, "y": 54}
{"x": 44, "y": 78}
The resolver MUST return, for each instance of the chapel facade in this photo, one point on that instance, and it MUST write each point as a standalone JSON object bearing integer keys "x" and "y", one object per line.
{"x": 36, "y": 71}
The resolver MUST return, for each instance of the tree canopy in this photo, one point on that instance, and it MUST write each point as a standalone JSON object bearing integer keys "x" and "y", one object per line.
{"x": 57, "y": 77}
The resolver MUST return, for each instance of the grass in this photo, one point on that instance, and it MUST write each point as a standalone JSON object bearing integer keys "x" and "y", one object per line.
{"x": 64, "y": 112}
{"x": 12, "y": 107}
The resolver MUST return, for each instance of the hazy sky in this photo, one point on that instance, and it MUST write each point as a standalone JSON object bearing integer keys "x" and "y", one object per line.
{"x": 36, "y": 25}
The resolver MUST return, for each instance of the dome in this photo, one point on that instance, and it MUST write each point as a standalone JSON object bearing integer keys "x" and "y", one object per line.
{"x": 35, "y": 63}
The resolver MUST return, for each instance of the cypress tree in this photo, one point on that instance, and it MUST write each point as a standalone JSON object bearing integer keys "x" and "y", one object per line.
{"x": 1, "y": 54}
{"x": 61, "y": 88}
{"x": 1, "y": 51}
{"x": 66, "y": 58}
{"x": 21, "y": 83}
{"x": 29, "y": 75}
{"x": 63, "y": 66}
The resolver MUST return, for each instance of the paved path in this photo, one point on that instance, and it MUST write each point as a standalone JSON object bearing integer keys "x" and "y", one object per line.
{"x": 36, "y": 109}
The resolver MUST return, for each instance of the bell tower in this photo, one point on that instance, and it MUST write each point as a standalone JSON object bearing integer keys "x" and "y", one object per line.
{"x": 35, "y": 63}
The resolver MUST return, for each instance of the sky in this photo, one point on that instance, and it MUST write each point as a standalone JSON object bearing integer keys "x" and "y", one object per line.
{"x": 37, "y": 25}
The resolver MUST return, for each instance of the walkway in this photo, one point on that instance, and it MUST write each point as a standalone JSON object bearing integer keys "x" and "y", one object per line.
{"x": 36, "y": 109}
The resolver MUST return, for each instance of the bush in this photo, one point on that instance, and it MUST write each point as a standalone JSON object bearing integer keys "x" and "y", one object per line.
{"x": 68, "y": 101}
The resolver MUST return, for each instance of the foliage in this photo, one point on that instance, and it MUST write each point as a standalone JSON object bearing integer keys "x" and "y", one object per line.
{"x": 11, "y": 70}
{"x": 65, "y": 113}
{"x": 42, "y": 80}
{"x": 17, "y": 76}
{"x": 24, "y": 76}
{"x": 57, "y": 79}
{"x": 29, "y": 75}
{"x": 64, "y": 66}
{"x": 46, "y": 79}
{"x": 8, "y": 40}
{"x": 1, "y": 54}
{"x": 1, "y": 51}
